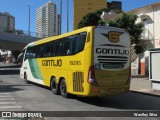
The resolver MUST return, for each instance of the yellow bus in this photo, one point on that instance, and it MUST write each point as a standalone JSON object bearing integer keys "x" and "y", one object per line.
{"x": 91, "y": 61}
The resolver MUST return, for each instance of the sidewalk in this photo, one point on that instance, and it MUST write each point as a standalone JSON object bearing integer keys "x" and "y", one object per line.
{"x": 142, "y": 85}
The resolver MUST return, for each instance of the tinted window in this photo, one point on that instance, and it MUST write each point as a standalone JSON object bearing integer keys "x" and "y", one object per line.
{"x": 27, "y": 53}
{"x": 53, "y": 52}
{"x": 67, "y": 46}
{"x": 40, "y": 50}
{"x": 47, "y": 50}
{"x": 77, "y": 43}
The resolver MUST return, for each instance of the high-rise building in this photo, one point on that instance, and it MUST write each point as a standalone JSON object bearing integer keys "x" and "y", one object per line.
{"x": 7, "y": 22}
{"x": 47, "y": 20}
{"x": 59, "y": 24}
{"x": 82, "y": 7}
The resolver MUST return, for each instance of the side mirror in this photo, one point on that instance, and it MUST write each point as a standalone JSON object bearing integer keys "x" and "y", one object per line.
{"x": 20, "y": 58}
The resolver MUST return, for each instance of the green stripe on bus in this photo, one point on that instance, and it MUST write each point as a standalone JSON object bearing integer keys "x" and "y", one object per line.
{"x": 35, "y": 69}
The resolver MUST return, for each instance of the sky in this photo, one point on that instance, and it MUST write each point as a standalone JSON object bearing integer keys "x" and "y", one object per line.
{"x": 20, "y": 10}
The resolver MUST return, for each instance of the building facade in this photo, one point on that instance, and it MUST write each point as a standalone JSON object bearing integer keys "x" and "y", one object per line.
{"x": 47, "y": 20}
{"x": 7, "y": 22}
{"x": 59, "y": 24}
{"x": 149, "y": 16}
{"x": 82, "y": 7}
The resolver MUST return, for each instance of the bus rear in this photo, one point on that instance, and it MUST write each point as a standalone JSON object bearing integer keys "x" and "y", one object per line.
{"x": 109, "y": 73}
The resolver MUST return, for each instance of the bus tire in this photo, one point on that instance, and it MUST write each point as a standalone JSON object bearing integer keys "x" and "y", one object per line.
{"x": 54, "y": 86}
{"x": 63, "y": 88}
{"x": 25, "y": 78}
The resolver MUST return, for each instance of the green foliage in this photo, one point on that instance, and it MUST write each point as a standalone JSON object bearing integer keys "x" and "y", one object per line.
{"x": 99, "y": 12}
{"x": 135, "y": 30}
{"x": 91, "y": 19}
{"x": 124, "y": 21}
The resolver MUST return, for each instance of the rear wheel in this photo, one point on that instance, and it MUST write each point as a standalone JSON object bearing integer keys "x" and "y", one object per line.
{"x": 54, "y": 86}
{"x": 63, "y": 89}
{"x": 25, "y": 78}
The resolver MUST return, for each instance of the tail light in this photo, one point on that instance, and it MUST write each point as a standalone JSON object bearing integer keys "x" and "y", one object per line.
{"x": 129, "y": 76}
{"x": 91, "y": 76}
{"x": 94, "y": 27}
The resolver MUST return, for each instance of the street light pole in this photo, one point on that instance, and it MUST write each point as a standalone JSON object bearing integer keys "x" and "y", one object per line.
{"x": 60, "y": 16}
{"x": 28, "y": 20}
{"x": 67, "y": 16}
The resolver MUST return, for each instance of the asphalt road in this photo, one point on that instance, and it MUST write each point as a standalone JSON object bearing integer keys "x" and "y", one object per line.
{"x": 16, "y": 95}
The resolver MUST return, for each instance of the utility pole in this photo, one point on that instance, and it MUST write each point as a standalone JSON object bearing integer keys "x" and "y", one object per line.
{"x": 67, "y": 16}
{"x": 60, "y": 17}
{"x": 28, "y": 20}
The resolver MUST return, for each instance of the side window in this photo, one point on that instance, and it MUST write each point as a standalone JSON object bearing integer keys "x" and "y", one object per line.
{"x": 55, "y": 48}
{"x": 27, "y": 54}
{"x": 61, "y": 47}
{"x": 82, "y": 41}
{"x": 31, "y": 53}
{"x": 34, "y": 49}
{"x": 40, "y": 50}
{"x": 67, "y": 47}
{"x": 47, "y": 51}
{"x": 78, "y": 42}
{"x": 73, "y": 45}
{"x": 21, "y": 55}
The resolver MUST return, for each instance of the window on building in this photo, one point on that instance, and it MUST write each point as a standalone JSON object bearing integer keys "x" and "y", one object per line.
{"x": 145, "y": 33}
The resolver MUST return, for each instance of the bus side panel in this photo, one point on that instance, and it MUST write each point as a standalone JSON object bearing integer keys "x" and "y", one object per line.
{"x": 31, "y": 69}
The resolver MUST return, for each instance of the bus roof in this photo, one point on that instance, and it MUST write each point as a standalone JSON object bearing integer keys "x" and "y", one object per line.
{"x": 67, "y": 34}
{"x": 48, "y": 39}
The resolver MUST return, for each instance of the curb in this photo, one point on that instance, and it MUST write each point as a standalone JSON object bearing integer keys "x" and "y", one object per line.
{"x": 145, "y": 93}
{"x": 139, "y": 76}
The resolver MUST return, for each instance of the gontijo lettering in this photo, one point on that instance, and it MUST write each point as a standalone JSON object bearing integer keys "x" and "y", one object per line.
{"x": 112, "y": 51}
{"x": 57, "y": 62}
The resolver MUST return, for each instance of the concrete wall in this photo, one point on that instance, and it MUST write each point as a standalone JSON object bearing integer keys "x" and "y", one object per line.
{"x": 83, "y": 7}
{"x": 12, "y": 41}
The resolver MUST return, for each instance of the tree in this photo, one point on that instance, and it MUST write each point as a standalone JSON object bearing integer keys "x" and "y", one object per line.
{"x": 124, "y": 21}
{"x": 135, "y": 30}
{"x": 91, "y": 19}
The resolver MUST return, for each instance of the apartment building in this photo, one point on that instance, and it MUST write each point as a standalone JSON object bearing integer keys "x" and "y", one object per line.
{"x": 149, "y": 16}
{"x": 7, "y": 22}
{"x": 47, "y": 20}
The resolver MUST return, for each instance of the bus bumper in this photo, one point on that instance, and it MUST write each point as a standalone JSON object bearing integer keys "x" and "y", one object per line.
{"x": 107, "y": 91}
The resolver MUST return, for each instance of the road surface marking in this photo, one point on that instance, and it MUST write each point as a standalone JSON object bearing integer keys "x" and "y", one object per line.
{"x": 4, "y": 93}
{"x": 7, "y": 99}
{"x": 4, "y": 107}
{"x": 5, "y": 96}
{"x": 7, "y": 103}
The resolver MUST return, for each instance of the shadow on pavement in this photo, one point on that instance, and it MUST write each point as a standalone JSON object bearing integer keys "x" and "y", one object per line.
{"x": 38, "y": 85}
{"x": 9, "y": 88}
{"x": 129, "y": 101}
{"x": 9, "y": 72}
